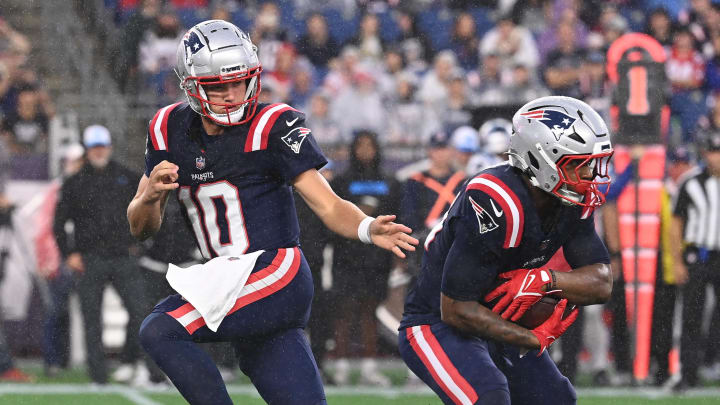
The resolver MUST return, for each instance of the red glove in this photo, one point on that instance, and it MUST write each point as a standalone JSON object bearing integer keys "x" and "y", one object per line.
{"x": 524, "y": 289}
{"x": 555, "y": 326}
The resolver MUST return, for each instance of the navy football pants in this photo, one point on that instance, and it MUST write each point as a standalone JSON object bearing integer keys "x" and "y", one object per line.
{"x": 265, "y": 327}
{"x": 465, "y": 370}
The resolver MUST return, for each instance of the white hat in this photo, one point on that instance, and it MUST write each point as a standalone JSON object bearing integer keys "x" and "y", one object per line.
{"x": 96, "y": 135}
{"x": 73, "y": 151}
{"x": 497, "y": 142}
{"x": 465, "y": 139}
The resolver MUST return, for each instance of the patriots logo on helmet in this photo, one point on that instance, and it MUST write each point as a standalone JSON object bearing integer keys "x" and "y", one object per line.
{"x": 192, "y": 43}
{"x": 295, "y": 138}
{"x": 486, "y": 223}
{"x": 557, "y": 121}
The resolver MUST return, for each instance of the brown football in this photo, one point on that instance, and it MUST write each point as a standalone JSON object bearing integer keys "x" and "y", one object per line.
{"x": 538, "y": 313}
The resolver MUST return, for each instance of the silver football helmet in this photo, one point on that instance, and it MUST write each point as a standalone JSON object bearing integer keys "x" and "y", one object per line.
{"x": 217, "y": 52}
{"x": 553, "y": 139}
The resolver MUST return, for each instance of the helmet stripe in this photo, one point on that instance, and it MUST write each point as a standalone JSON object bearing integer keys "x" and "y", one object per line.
{"x": 510, "y": 203}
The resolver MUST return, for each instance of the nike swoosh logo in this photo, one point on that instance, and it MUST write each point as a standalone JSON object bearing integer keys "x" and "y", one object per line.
{"x": 498, "y": 213}
{"x": 290, "y": 123}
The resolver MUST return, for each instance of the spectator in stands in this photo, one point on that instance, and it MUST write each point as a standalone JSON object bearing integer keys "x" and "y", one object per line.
{"x": 699, "y": 19}
{"x": 125, "y": 60}
{"x": 411, "y": 36}
{"x": 524, "y": 85}
{"x": 158, "y": 48}
{"x": 102, "y": 250}
{"x": 26, "y": 128}
{"x": 456, "y": 110}
{"x": 317, "y": 44}
{"x": 561, "y": 13}
{"x": 487, "y": 82}
{"x": 594, "y": 88}
{"x": 464, "y": 41}
{"x": 659, "y": 26}
{"x": 613, "y": 27}
{"x": 531, "y": 15}
{"x": 368, "y": 41}
{"x": 411, "y": 122}
{"x": 434, "y": 85}
{"x": 268, "y": 34}
{"x": 342, "y": 72}
{"x": 712, "y": 69}
{"x": 685, "y": 69}
{"x": 362, "y": 283}
{"x": 393, "y": 66}
{"x": 510, "y": 43}
{"x": 562, "y": 70}
{"x": 325, "y": 129}
{"x": 303, "y": 84}
{"x": 281, "y": 77}
{"x": 221, "y": 13}
{"x": 362, "y": 92}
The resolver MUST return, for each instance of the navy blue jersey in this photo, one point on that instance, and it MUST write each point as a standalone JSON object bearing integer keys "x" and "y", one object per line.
{"x": 235, "y": 187}
{"x": 493, "y": 227}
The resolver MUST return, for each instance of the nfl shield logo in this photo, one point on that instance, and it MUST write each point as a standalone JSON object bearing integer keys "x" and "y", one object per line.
{"x": 200, "y": 162}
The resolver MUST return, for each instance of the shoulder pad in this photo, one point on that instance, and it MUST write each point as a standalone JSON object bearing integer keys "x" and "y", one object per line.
{"x": 157, "y": 131}
{"x": 505, "y": 206}
{"x": 264, "y": 121}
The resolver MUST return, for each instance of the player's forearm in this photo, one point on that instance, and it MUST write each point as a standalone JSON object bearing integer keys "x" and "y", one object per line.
{"x": 343, "y": 218}
{"x": 585, "y": 285}
{"x": 145, "y": 217}
{"x": 473, "y": 318}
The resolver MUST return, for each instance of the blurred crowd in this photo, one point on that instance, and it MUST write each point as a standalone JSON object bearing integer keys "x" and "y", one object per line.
{"x": 441, "y": 77}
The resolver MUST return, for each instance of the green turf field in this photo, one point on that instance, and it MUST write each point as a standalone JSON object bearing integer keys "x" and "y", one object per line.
{"x": 78, "y": 394}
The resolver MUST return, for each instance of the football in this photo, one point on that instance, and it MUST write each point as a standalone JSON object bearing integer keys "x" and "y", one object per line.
{"x": 539, "y": 313}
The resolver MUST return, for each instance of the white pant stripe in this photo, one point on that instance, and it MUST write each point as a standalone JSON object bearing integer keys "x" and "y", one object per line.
{"x": 438, "y": 367}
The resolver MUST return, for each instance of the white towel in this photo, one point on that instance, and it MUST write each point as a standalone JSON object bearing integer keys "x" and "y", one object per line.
{"x": 212, "y": 288}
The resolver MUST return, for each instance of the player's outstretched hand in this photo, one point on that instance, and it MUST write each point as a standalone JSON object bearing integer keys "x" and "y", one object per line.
{"x": 391, "y": 236}
{"x": 162, "y": 178}
{"x": 555, "y": 326}
{"x": 522, "y": 290}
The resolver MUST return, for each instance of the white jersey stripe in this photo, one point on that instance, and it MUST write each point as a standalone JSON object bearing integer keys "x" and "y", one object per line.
{"x": 697, "y": 195}
{"x": 271, "y": 278}
{"x": 189, "y": 318}
{"x": 711, "y": 191}
{"x": 438, "y": 367}
{"x": 262, "y": 121}
{"x": 157, "y": 130}
{"x": 514, "y": 212}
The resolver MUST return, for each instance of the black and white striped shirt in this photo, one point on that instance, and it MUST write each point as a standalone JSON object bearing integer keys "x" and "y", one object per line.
{"x": 698, "y": 203}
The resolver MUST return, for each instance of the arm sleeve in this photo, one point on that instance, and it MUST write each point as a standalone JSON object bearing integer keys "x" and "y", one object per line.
{"x": 470, "y": 270}
{"x": 682, "y": 201}
{"x": 293, "y": 147}
{"x": 585, "y": 246}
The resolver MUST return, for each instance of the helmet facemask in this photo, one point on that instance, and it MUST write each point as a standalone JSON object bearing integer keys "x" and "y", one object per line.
{"x": 572, "y": 189}
{"x": 233, "y": 113}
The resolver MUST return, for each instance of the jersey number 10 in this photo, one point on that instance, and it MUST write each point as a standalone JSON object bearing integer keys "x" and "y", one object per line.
{"x": 217, "y": 234}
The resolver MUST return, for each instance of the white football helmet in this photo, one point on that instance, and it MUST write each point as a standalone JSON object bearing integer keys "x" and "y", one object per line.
{"x": 216, "y": 52}
{"x": 553, "y": 136}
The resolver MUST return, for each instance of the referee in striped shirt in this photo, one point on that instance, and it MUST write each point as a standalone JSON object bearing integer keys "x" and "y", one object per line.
{"x": 695, "y": 236}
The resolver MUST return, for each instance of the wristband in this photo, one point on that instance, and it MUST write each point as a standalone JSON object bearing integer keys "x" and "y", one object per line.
{"x": 364, "y": 230}
{"x": 553, "y": 286}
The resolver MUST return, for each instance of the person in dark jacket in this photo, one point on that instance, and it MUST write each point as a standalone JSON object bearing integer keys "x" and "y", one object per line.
{"x": 361, "y": 274}
{"x": 95, "y": 200}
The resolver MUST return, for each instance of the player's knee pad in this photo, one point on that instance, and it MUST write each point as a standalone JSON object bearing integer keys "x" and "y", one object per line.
{"x": 494, "y": 397}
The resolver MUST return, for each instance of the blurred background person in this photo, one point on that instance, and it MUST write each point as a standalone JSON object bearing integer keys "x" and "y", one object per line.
{"x": 361, "y": 283}
{"x": 102, "y": 250}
